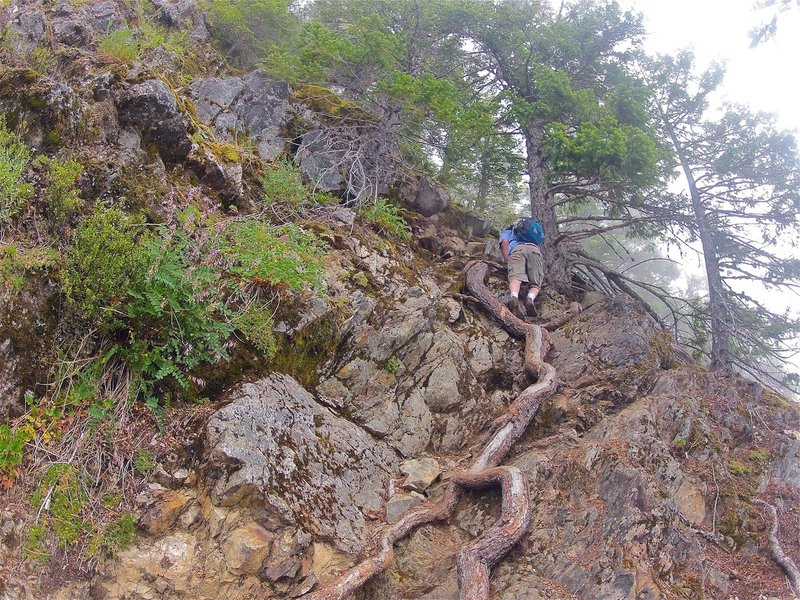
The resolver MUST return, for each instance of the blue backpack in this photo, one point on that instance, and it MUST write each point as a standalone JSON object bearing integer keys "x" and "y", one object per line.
{"x": 528, "y": 230}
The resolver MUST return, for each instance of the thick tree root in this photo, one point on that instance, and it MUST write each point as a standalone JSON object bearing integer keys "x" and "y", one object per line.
{"x": 785, "y": 562}
{"x": 476, "y": 560}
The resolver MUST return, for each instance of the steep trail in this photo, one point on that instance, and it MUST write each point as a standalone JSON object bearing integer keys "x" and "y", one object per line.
{"x": 475, "y": 560}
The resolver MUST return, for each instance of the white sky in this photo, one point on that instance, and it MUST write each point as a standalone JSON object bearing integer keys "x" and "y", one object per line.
{"x": 765, "y": 77}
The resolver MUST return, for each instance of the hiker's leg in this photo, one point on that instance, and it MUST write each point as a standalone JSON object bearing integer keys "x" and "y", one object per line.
{"x": 534, "y": 268}
{"x": 517, "y": 272}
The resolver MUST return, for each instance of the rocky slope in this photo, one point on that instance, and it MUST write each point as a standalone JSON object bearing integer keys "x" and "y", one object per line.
{"x": 643, "y": 467}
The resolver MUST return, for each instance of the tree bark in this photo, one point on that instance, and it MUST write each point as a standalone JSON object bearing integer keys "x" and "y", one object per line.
{"x": 558, "y": 272}
{"x": 721, "y": 321}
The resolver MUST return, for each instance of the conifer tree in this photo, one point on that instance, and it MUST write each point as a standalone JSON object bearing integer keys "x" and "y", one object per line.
{"x": 742, "y": 205}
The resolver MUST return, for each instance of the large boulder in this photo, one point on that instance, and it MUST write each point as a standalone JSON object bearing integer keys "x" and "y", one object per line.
{"x": 274, "y": 441}
{"x": 152, "y": 108}
{"x": 255, "y": 105}
{"x": 75, "y": 25}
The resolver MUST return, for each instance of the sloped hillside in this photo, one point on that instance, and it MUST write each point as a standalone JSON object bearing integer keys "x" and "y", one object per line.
{"x": 259, "y": 377}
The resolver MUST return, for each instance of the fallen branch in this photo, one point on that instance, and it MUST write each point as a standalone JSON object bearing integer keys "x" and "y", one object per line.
{"x": 786, "y": 563}
{"x": 476, "y": 560}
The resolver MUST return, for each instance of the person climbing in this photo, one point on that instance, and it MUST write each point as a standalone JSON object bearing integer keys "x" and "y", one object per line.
{"x": 519, "y": 244}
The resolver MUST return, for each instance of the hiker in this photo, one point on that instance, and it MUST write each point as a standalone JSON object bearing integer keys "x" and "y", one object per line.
{"x": 519, "y": 244}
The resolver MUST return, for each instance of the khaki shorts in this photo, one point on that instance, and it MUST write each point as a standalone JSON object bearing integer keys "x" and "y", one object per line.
{"x": 526, "y": 264}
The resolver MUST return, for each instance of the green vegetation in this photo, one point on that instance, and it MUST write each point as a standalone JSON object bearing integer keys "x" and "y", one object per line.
{"x": 174, "y": 314}
{"x": 122, "y": 45}
{"x": 387, "y": 217}
{"x": 34, "y": 546}
{"x": 12, "y": 448}
{"x": 392, "y": 365}
{"x": 17, "y": 263}
{"x": 282, "y": 183}
{"x": 255, "y": 323}
{"x": 62, "y": 194}
{"x": 103, "y": 261}
{"x": 285, "y": 257}
{"x": 143, "y": 462}
{"x": 739, "y": 468}
{"x": 62, "y": 496}
{"x": 247, "y": 31}
{"x": 14, "y": 155}
{"x": 119, "y": 533}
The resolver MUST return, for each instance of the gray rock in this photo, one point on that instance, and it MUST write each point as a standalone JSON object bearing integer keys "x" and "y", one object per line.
{"x": 214, "y": 95}
{"x": 420, "y": 473}
{"x": 399, "y": 504}
{"x": 321, "y": 162}
{"x": 76, "y": 25}
{"x": 175, "y": 13}
{"x": 151, "y": 107}
{"x": 10, "y": 386}
{"x": 31, "y": 24}
{"x": 69, "y": 26}
{"x": 255, "y": 105}
{"x": 430, "y": 198}
{"x": 441, "y": 389}
{"x": 788, "y": 467}
{"x": 310, "y": 466}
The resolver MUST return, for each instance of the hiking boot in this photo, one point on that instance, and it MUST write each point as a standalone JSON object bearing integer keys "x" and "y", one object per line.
{"x": 514, "y": 305}
{"x": 530, "y": 307}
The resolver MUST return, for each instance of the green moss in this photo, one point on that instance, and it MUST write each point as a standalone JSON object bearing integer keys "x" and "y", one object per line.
{"x": 732, "y": 525}
{"x": 34, "y": 547}
{"x": 759, "y": 455}
{"x": 119, "y": 533}
{"x": 62, "y": 496}
{"x": 322, "y": 100}
{"x": 226, "y": 151}
{"x": 738, "y": 468}
{"x": 113, "y": 538}
{"x": 255, "y": 323}
{"x": 302, "y": 354}
{"x": 662, "y": 344}
{"x": 17, "y": 263}
{"x": 361, "y": 279}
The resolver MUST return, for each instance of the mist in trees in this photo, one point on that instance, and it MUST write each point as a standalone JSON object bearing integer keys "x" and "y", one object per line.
{"x": 742, "y": 205}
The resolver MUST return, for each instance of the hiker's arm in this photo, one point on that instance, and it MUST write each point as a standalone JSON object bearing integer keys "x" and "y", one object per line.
{"x": 504, "y": 250}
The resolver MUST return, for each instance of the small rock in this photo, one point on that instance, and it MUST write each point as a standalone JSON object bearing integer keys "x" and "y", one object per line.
{"x": 453, "y": 308}
{"x": 399, "y": 504}
{"x": 161, "y": 516}
{"x": 246, "y": 548}
{"x": 420, "y": 473}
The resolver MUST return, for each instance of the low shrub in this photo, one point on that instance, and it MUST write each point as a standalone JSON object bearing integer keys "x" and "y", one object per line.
{"x": 14, "y": 156}
{"x": 283, "y": 184}
{"x": 286, "y": 256}
{"x": 103, "y": 263}
{"x": 122, "y": 45}
{"x": 387, "y": 217}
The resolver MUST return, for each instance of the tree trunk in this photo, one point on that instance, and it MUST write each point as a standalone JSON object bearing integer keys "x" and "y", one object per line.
{"x": 558, "y": 272}
{"x": 482, "y": 201}
{"x": 721, "y": 322}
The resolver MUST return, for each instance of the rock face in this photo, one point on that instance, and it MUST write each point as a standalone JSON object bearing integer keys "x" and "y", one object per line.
{"x": 152, "y": 108}
{"x": 311, "y": 467}
{"x": 254, "y": 106}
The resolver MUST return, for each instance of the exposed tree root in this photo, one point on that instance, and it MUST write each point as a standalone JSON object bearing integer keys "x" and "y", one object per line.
{"x": 476, "y": 560}
{"x": 786, "y": 563}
